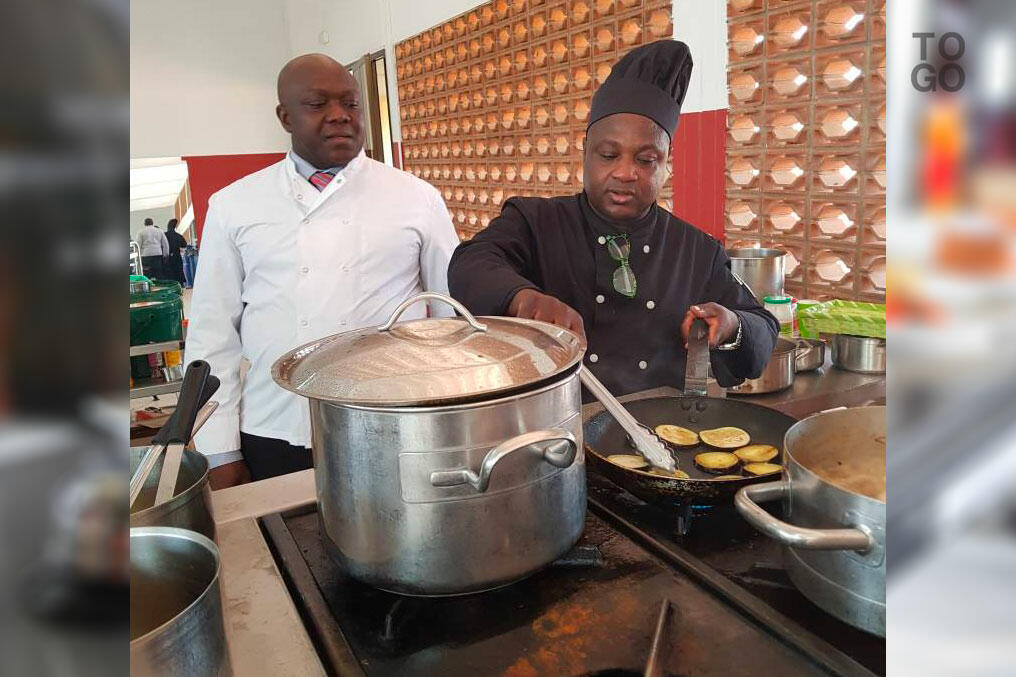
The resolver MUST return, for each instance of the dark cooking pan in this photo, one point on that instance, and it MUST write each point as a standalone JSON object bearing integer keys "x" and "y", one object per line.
{"x": 603, "y": 437}
{"x": 693, "y": 410}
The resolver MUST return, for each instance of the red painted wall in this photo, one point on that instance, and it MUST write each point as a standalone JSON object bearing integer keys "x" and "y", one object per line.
{"x": 210, "y": 173}
{"x": 699, "y": 183}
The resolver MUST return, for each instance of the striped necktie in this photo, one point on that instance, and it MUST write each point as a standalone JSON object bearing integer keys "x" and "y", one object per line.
{"x": 321, "y": 179}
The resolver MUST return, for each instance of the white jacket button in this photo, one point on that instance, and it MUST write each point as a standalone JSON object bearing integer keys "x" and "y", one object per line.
{"x": 643, "y": 364}
{"x": 593, "y": 357}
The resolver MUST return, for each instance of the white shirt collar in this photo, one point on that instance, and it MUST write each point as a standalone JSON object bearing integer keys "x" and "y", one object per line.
{"x": 306, "y": 169}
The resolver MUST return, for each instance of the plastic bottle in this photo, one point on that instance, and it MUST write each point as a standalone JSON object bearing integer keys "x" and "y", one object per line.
{"x": 783, "y": 310}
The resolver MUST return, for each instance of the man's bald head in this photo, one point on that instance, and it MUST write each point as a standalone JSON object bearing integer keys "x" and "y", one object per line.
{"x": 299, "y": 68}
{"x": 319, "y": 105}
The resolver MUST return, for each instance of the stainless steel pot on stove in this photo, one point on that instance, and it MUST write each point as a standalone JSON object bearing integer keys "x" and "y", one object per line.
{"x": 833, "y": 493}
{"x": 447, "y": 452}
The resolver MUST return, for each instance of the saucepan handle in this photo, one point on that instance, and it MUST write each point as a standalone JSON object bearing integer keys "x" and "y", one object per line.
{"x": 473, "y": 322}
{"x": 747, "y": 498}
{"x": 558, "y": 455}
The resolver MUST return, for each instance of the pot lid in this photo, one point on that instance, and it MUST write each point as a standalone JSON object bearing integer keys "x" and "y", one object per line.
{"x": 430, "y": 361}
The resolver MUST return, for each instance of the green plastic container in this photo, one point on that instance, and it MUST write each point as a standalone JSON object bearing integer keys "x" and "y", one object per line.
{"x": 156, "y": 318}
{"x": 171, "y": 286}
{"x": 858, "y": 318}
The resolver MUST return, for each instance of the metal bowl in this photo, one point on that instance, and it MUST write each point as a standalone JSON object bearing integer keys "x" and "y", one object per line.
{"x": 777, "y": 375}
{"x": 863, "y": 354}
{"x": 809, "y": 355}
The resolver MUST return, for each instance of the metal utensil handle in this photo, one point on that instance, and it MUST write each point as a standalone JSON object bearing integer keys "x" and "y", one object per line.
{"x": 204, "y": 413}
{"x": 610, "y": 403}
{"x": 473, "y": 322}
{"x": 144, "y": 469}
{"x": 696, "y": 372}
{"x": 795, "y": 537}
{"x": 480, "y": 481}
{"x": 658, "y": 650}
{"x": 177, "y": 431}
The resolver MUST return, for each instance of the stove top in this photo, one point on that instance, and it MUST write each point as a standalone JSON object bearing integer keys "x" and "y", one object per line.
{"x": 594, "y": 612}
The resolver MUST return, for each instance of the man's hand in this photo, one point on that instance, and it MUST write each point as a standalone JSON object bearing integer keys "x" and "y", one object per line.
{"x": 534, "y": 305}
{"x": 722, "y": 323}
{"x": 229, "y": 475}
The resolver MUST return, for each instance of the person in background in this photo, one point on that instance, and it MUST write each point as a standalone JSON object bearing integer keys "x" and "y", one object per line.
{"x": 609, "y": 263}
{"x": 324, "y": 241}
{"x": 154, "y": 250}
{"x": 174, "y": 264}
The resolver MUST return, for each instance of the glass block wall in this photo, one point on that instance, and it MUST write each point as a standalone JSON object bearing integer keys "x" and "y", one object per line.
{"x": 806, "y": 158}
{"x": 494, "y": 102}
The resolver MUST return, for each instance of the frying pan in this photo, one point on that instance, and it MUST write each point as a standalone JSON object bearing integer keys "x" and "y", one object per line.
{"x": 603, "y": 437}
{"x": 693, "y": 410}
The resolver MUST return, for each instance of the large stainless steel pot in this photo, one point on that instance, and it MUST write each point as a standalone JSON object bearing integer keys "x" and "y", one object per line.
{"x": 190, "y": 506}
{"x": 447, "y": 452}
{"x": 176, "y": 625}
{"x": 833, "y": 493}
{"x": 762, "y": 270}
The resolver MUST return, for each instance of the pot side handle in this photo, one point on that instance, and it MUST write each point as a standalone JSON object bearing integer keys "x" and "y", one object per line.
{"x": 461, "y": 309}
{"x": 795, "y": 537}
{"x": 558, "y": 455}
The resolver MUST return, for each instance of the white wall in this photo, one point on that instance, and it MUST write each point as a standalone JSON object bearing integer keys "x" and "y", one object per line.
{"x": 354, "y": 28}
{"x": 203, "y": 73}
{"x": 702, "y": 24}
{"x": 203, "y": 76}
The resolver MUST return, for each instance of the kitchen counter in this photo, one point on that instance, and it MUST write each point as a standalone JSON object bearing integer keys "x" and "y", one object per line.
{"x": 264, "y": 631}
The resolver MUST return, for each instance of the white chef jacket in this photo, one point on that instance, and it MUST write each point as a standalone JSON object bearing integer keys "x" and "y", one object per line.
{"x": 153, "y": 242}
{"x": 282, "y": 264}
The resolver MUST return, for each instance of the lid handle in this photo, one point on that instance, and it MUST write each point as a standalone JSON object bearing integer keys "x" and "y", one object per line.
{"x": 461, "y": 309}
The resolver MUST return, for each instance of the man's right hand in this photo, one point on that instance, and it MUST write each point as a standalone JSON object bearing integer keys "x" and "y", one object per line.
{"x": 229, "y": 475}
{"x": 534, "y": 305}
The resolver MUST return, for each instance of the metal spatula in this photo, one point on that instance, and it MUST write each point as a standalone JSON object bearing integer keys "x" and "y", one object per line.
{"x": 696, "y": 370}
{"x": 178, "y": 428}
{"x": 159, "y": 442}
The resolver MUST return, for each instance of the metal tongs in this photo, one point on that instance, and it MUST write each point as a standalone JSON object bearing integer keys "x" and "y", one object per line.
{"x": 192, "y": 410}
{"x": 645, "y": 440}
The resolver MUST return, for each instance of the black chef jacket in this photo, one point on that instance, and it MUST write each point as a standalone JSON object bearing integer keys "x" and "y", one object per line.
{"x": 557, "y": 246}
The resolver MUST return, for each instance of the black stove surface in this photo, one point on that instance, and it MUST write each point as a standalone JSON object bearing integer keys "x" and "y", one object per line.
{"x": 725, "y": 553}
{"x": 594, "y": 612}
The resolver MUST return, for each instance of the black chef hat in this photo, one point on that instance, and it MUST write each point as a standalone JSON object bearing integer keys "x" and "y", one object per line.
{"x": 650, "y": 80}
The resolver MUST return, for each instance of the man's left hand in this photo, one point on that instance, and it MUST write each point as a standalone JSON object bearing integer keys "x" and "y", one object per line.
{"x": 722, "y": 323}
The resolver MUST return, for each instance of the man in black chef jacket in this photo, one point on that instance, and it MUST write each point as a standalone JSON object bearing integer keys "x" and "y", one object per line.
{"x": 610, "y": 263}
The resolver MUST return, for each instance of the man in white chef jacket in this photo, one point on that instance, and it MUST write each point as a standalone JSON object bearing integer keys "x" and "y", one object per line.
{"x": 324, "y": 241}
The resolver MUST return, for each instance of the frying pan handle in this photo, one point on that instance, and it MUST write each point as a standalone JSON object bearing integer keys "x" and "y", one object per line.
{"x": 553, "y": 454}
{"x": 789, "y": 535}
{"x": 469, "y": 317}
